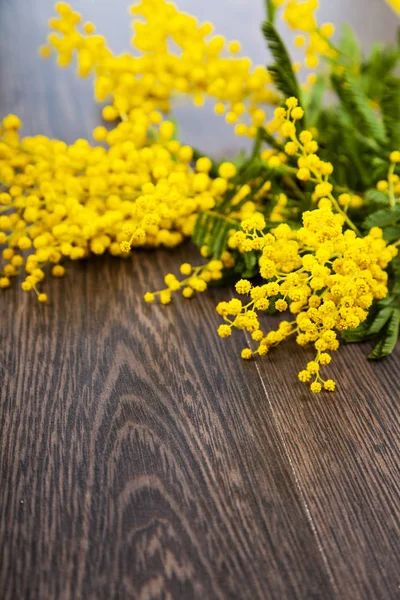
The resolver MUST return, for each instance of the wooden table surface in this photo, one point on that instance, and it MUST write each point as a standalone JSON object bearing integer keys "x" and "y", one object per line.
{"x": 141, "y": 458}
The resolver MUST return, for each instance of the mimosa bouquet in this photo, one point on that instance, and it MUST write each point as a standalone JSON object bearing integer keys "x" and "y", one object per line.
{"x": 306, "y": 224}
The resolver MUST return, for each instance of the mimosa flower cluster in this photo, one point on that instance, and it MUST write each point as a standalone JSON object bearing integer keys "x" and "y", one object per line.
{"x": 201, "y": 66}
{"x": 310, "y": 167}
{"x": 326, "y": 277}
{"x": 69, "y": 201}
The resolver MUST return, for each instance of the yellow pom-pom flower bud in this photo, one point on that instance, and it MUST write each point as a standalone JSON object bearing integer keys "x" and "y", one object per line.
{"x": 58, "y": 271}
{"x": 224, "y": 331}
{"x": 4, "y": 282}
{"x": 185, "y": 154}
{"x": 292, "y": 102}
{"x": 327, "y": 30}
{"x": 243, "y": 286}
{"x": 219, "y": 108}
{"x": 315, "y": 387}
{"x": 227, "y": 170}
{"x": 297, "y": 113}
{"x": 149, "y": 297}
{"x": 329, "y": 385}
{"x": 234, "y": 47}
{"x": 125, "y": 246}
{"x": 167, "y": 129}
{"x": 11, "y": 122}
{"x": 281, "y": 305}
{"x": 100, "y": 133}
{"x": 291, "y": 148}
{"x": 304, "y": 376}
{"x": 165, "y": 297}
{"x": 203, "y": 164}
{"x": 395, "y": 156}
{"x": 187, "y": 292}
{"x": 186, "y": 269}
{"x": 299, "y": 41}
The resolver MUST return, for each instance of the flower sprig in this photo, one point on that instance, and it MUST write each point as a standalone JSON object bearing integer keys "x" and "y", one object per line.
{"x": 326, "y": 276}
{"x": 196, "y": 279}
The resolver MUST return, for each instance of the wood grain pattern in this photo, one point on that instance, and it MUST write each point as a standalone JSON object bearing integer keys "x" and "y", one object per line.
{"x": 146, "y": 466}
{"x": 345, "y": 454}
{"x": 140, "y": 458}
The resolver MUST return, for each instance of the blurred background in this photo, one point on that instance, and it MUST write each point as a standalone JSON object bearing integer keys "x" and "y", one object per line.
{"x": 25, "y": 77}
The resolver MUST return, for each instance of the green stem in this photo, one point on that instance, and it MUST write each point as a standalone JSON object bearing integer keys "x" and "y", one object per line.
{"x": 257, "y": 143}
{"x": 344, "y": 215}
{"x": 392, "y": 199}
{"x": 270, "y": 10}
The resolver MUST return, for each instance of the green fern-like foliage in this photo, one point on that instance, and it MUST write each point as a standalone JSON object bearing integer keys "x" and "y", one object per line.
{"x": 390, "y": 106}
{"x": 356, "y": 103}
{"x": 212, "y": 229}
{"x": 282, "y": 69}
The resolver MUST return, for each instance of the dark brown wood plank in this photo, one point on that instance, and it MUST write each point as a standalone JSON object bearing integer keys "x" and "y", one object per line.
{"x": 345, "y": 453}
{"x": 137, "y": 459}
